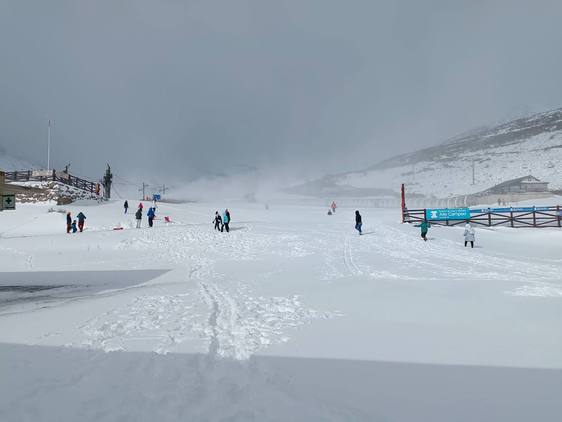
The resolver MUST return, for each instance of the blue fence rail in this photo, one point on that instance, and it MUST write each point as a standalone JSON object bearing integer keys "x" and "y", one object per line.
{"x": 511, "y": 217}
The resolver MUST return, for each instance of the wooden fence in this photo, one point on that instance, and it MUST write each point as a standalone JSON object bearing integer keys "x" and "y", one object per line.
{"x": 511, "y": 217}
{"x": 52, "y": 175}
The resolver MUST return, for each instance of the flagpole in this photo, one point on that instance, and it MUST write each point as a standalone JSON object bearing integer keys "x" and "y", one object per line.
{"x": 49, "y": 146}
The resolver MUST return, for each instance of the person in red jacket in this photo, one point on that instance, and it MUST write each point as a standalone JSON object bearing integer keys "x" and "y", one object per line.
{"x": 333, "y": 207}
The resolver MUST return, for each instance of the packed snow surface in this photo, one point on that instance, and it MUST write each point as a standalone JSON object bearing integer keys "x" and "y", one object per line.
{"x": 290, "y": 316}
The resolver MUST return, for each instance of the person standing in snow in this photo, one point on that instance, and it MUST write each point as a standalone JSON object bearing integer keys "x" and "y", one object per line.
{"x": 138, "y": 216}
{"x": 68, "y": 222}
{"x": 141, "y": 206}
{"x": 358, "y": 222}
{"x": 81, "y": 220}
{"x": 73, "y": 225}
{"x": 126, "y": 206}
{"x": 424, "y": 226}
{"x": 151, "y": 214}
{"x": 218, "y": 221}
{"x": 226, "y": 221}
{"x": 333, "y": 207}
{"x": 469, "y": 235}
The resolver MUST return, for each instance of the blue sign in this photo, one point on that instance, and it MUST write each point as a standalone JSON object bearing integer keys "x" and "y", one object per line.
{"x": 156, "y": 197}
{"x": 447, "y": 214}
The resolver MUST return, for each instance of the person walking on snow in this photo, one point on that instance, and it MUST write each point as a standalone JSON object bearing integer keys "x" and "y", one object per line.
{"x": 358, "y": 222}
{"x": 138, "y": 216}
{"x": 126, "y": 206}
{"x": 68, "y": 222}
{"x": 333, "y": 207}
{"x": 226, "y": 221}
{"x": 74, "y": 229}
{"x": 469, "y": 235}
{"x": 81, "y": 220}
{"x": 218, "y": 221}
{"x": 424, "y": 226}
{"x": 151, "y": 214}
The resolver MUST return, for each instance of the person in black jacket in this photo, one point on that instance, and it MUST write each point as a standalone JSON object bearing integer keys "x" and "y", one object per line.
{"x": 218, "y": 221}
{"x": 138, "y": 216}
{"x": 358, "y": 222}
{"x": 68, "y": 222}
{"x": 126, "y": 206}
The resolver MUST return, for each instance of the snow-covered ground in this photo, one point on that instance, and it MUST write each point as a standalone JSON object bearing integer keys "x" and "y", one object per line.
{"x": 290, "y": 316}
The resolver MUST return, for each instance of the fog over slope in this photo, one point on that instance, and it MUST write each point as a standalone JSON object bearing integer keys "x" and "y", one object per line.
{"x": 176, "y": 90}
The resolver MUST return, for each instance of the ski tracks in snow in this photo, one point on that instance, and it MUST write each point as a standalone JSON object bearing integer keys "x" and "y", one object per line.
{"x": 348, "y": 260}
{"x": 234, "y": 323}
{"x": 240, "y": 325}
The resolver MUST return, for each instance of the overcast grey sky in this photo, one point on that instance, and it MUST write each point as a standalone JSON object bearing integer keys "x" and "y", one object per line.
{"x": 187, "y": 87}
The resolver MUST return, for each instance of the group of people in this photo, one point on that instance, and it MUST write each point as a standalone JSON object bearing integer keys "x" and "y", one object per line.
{"x": 71, "y": 225}
{"x": 222, "y": 223}
{"x": 151, "y": 214}
{"x": 469, "y": 234}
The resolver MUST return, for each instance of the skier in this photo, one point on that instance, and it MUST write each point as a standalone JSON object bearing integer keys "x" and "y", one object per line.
{"x": 150, "y": 214}
{"x": 74, "y": 229}
{"x": 81, "y": 219}
{"x": 333, "y": 207}
{"x": 424, "y": 226}
{"x": 126, "y": 206}
{"x": 226, "y": 221}
{"x": 469, "y": 235}
{"x": 218, "y": 221}
{"x": 68, "y": 222}
{"x": 358, "y": 222}
{"x": 138, "y": 216}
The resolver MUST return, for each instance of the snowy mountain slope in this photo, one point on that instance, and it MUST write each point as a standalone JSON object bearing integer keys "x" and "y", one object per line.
{"x": 9, "y": 163}
{"x": 530, "y": 145}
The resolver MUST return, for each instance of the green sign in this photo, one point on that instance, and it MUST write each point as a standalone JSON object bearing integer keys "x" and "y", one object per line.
{"x": 8, "y": 202}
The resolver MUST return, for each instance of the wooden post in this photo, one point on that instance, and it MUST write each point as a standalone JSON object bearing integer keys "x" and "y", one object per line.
{"x": 534, "y": 217}
{"x": 54, "y": 175}
{"x": 489, "y": 218}
{"x": 403, "y": 193}
{"x": 558, "y": 215}
{"x": 511, "y": 217}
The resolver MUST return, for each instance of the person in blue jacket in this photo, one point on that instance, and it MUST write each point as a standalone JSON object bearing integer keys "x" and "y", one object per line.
{"x": 226, "y": 221}
{"x": 151, "y": 214}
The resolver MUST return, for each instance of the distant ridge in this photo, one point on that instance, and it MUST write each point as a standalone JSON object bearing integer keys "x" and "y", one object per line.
{"x": 526, "y": 145}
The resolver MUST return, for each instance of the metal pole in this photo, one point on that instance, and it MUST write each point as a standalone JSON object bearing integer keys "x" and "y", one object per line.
{"x": 49, "y": 146}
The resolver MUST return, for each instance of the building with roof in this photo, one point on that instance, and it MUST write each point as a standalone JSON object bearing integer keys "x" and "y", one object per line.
{"x": 526, "y": 184}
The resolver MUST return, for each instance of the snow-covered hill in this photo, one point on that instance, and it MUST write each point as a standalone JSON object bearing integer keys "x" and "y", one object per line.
{"x": 9, "y": 163}
{"x": 530, "y": 145}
